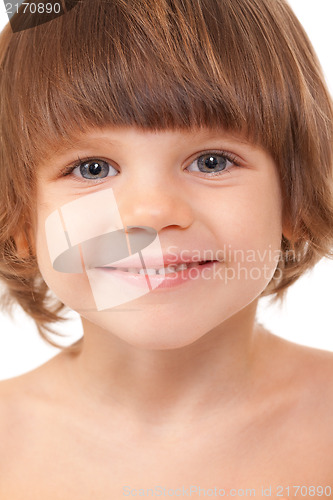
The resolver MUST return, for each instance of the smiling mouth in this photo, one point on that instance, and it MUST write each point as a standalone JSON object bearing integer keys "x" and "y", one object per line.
{"x": 171, "y": 268}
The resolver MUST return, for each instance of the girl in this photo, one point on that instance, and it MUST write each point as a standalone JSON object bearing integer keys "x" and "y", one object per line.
{"x": 163, "y": 166}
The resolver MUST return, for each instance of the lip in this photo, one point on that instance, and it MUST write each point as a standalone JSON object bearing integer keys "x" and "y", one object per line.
{"x": 156, "y": 261}
{"x": 160, "y": 282}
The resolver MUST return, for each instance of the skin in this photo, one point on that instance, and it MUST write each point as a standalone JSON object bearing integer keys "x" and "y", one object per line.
{"x": 171, "y": 357}
{"x": 240, "y": 210}
{"x": 188, "y": 361}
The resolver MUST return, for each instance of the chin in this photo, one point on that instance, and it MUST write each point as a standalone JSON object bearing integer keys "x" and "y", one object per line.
{"x": 143, "y": 333}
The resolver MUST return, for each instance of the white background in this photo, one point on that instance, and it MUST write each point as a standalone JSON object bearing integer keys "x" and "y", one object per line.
{"x": 306, "y": 318}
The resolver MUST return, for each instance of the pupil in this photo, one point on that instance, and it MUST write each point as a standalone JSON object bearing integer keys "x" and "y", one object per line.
{"x": 95, "y": 169}
{"x": 211, "y": 162}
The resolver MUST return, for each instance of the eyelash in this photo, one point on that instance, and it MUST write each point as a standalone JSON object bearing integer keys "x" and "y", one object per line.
{"x": 223, "y": 154}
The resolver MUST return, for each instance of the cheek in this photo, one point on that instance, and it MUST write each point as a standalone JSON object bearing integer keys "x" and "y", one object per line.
{"x": 249, "y": 229}
{"x": 266, "y": 220}
{"x": 73, "y": 289}
{"x": 257, "y": 220}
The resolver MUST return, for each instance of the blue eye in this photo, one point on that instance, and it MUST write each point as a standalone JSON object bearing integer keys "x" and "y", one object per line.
{"x": 93, "y": 169}
{"x": 214, "y": 163}
{"x": 210, "y": 163}
{"x": 90, "y": 169}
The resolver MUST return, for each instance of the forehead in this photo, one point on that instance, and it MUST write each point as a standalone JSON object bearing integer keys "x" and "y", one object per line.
{"x": 121, "y": 138}
{"x": 119, "y": 135}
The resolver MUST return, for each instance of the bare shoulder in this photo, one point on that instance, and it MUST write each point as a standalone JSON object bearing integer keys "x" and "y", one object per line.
{"x": 307, "y": 375}
{"x": 314, "y": 369}
{"x": 18, "y": 397}
{"x": 313, "y": 422}
{"x": 24, "y": 402}
{"x": 27, "y": 408}
{"x": 297, "y": 396}
{"x": 13, "y": 402}
{"x": 308, "y": 371}
{"x": 8, "y": 389}
{"x": 13, "y": 395}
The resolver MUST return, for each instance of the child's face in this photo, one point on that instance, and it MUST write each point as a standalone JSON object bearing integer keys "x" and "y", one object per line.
{"x": 163, "y": 181}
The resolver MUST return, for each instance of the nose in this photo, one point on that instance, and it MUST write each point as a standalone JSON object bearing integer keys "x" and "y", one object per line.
{"x": 159, "y": 206}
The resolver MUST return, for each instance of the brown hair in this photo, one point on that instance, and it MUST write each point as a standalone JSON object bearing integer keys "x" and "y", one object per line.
{"x": 244, "y": 65}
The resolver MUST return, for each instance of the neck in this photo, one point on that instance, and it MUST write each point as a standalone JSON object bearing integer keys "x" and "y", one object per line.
{"x": 168, "y": 384}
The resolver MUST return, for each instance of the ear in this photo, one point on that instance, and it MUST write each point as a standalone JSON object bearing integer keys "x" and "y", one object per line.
{"x": 286, "y": 232}
{"x": 287, "y": 228}
{"x": 24, "y": 244}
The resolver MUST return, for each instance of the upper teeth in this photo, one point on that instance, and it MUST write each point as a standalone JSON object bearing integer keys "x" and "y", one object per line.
{"x": 172, "y": 268}
{"x": 161, "y": 270}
